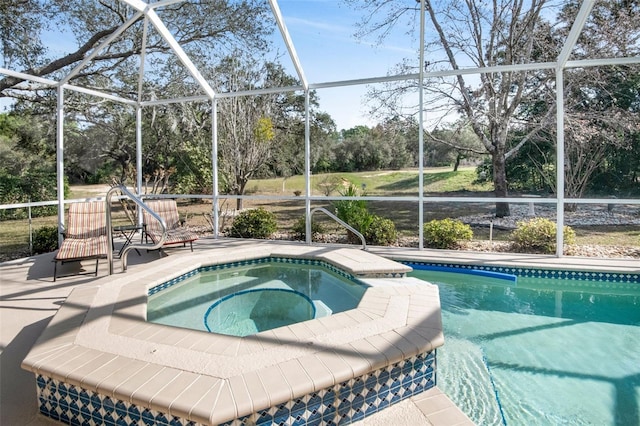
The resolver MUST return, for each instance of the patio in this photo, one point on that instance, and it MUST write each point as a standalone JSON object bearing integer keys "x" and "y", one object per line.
{"x": 30, "y": 298}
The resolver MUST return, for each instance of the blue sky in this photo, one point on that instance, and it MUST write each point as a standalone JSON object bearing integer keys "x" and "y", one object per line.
{"x": 323, "y": 35}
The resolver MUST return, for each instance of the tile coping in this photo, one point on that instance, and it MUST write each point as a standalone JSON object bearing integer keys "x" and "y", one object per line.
{"x": 99, "y": 339}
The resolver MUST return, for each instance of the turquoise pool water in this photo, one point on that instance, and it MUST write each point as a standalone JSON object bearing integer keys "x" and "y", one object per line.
{"x": 241, "y": 300}
{"x": 251, "y": 311}
{"x": 540, "y": 351}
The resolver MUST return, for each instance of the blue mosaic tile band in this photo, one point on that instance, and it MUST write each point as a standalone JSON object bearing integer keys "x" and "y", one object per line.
{"x": 614, "y": 277}
{"x": 341, "y": 404}
{"x": 73, "y": 405}
{"x": 252, "y": 262}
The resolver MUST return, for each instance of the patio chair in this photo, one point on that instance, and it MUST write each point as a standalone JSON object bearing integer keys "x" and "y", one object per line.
{"x": 85, "y": 236}
{"x": 176, "y": 234}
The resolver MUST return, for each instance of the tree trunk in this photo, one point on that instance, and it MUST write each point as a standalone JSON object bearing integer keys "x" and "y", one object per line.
{"x": 500, "y": 183}
{"x": 457, "y": 163}
{"x": 242, "y": 183}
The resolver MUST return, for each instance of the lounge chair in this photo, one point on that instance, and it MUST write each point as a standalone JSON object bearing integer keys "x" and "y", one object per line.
{"x": 85, "y": 235}
{"x": 176, "y": 234}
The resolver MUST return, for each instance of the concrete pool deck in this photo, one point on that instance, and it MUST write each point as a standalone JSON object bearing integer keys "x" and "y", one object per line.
{"x": 29, "y": 298}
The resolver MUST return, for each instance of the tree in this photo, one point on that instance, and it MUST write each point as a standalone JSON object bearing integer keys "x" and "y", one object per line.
{"x": 289, "y": 120}
{"x": 205, "y": 30}
{"x": 400, "y": 136}
{"x": 388, "y": 145}
{"x": 202, "y": 28}
{"x": 481, "y": 34}
{"x": 602, "y": 104}
{"x": 245, "y": 123}
{"x": 323, "y": 138}
{"x": 27, "y": 169}
{"x": 452, "y": 144}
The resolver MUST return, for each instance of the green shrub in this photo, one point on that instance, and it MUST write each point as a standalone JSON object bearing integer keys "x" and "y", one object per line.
{"x": 33, "y": 186}
{"x": 375, "y": 229}
{"x": 45, "y": 239}
{"x": 255, "y": 223}
{"x": 446, "y": 233}
{"x": 381, "y": 231}
{"x": 539, "y": 234}
{"x": 354, "y": 212}
{"x": 300, "y": 228}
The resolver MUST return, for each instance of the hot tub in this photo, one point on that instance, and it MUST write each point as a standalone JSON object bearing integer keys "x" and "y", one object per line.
{"x": 255, "y": 296}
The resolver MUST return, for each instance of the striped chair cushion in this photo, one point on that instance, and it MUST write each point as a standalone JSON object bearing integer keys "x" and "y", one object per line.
{"x": 86, "y": 220}
{"x": 175, "y": 236}
{"x": 74, "y": 248}
{"x": 168, "y": 210}
{"x": 86, "y": 232}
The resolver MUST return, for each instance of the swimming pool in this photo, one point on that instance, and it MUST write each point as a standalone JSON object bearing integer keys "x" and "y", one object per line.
{"x": 258, "y": 295}
{"x": 541, "y": 350}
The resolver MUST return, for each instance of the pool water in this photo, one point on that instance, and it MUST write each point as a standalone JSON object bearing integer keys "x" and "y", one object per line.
{"x": 540, "y": 351}
{"x": 251, "y": 311}
{"x": 245, "y": 300}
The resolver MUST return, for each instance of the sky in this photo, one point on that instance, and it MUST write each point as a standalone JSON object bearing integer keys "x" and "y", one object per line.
{"x": 322, "y": 32}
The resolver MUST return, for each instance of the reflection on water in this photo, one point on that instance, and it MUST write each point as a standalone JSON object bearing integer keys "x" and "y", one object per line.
{"x": 540, "y": 351}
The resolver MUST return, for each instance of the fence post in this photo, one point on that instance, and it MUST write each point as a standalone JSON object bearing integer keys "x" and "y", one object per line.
{"x": 30, "y": 230}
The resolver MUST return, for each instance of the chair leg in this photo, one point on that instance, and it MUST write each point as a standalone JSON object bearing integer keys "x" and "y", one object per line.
{"x": 97, "y": 261}
{"x": 55, "y": 269}
{"x": 191, "y": 244}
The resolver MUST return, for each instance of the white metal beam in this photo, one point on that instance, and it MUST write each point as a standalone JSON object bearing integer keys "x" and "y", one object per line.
{"x": 441, "y": 73}
{"x": 289, "y": 43}
{"x": 342, "y": 83}
{"x": 100, "y": 48}
{"x": 202, "y": 98}
{"x": 583, "y": 63}
{"x": 214, "y": 167}
{"x": 560, "y": 161}
{"x": 307, "y": 169}
{"x": 197, "y": 98}
{"x": 99, "y": 94}
{"x": 139, "y": 5}
{"x": 255, "y": 92}
{"x": 173, "y": 44}
{"x": 421, "y": 130}
{"x": 60, "y": 160}
{"x": 563, "y": 57}
{"x": 180, "y": 53}
{"x": 574, "y": 33}
{"x": 28, "y": 77}
{"x": 143, "y": 56}
{"x": 139, "y": 218}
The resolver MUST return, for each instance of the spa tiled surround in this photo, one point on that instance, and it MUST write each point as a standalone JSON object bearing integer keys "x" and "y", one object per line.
{"x": 100, "y": 362}
{"x": 343, "y": 403}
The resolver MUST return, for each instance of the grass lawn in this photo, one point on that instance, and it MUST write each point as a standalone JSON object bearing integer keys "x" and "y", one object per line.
{"x": 376, "y": 183}
{"x": 14, "y": 234}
